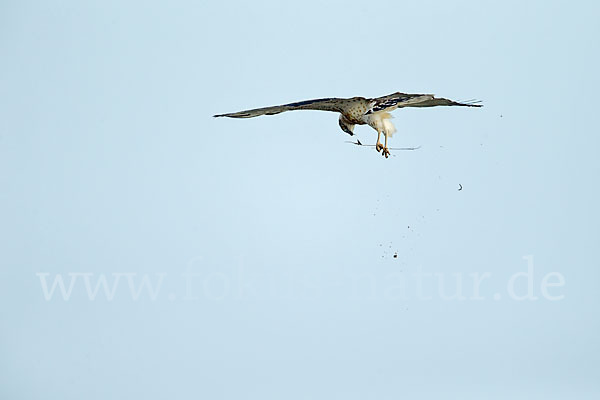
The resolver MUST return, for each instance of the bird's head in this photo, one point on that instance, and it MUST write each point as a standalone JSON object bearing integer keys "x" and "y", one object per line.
{"x": 346, "y": 125}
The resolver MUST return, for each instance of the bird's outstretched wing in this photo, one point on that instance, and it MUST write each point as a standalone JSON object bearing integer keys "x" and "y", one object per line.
{"x": 329, "y": 104}
{"x": 399, "y": 100}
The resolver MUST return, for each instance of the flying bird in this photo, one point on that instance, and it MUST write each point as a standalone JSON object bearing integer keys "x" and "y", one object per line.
{"x": 360, "y": 111}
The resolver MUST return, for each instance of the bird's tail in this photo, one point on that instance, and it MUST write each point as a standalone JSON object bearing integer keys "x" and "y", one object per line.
{"x": 388, "y": 127}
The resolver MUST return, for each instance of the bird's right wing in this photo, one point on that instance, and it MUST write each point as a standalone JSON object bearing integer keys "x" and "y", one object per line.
{"x": 329, "y": 104}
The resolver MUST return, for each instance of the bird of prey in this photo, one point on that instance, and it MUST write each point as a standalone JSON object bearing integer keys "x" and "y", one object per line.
{"x": 360, "y": 111}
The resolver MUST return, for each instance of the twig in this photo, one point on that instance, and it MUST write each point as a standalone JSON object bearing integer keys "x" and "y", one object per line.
{"x": 358, "y": 143}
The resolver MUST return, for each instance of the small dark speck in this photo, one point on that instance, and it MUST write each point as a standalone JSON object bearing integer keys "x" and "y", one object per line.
{"x": 459, "y": 187}
{"x": 395, "y": 255}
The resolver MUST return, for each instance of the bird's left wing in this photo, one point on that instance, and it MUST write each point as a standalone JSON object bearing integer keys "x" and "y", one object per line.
{"x": 329, "y": 104}
{"x": 399, "y": 100}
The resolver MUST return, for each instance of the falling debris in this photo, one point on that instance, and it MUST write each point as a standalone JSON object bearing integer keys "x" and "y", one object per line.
{"x": 459, "y": 187}
{"x": 396, "y": 255}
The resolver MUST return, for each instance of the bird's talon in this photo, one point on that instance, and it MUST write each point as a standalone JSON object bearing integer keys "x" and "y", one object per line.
{"x": 378, "y": 147}
{"x": 386, "y": 152}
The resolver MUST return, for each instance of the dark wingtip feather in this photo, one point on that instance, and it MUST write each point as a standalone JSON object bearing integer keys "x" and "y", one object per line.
{"x": 471, "y": 103}
{"x": 233, "y": 115}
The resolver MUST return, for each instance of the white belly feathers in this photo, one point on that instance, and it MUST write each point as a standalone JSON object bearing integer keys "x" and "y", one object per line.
{"x": 380, "y": 121}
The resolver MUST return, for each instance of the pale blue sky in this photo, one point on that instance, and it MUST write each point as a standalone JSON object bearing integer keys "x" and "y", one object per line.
{"x": 110, "y": 163}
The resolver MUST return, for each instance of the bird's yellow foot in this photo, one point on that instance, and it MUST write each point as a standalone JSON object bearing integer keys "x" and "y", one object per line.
{"x": 378, "y": 147}
{"x": 386, "y": 152}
